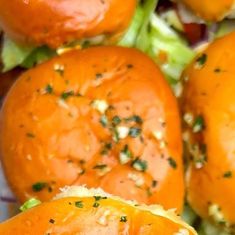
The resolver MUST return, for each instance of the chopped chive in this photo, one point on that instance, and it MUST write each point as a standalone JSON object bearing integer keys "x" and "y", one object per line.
{"x": 140, "y": 165}
{"x": 134, "y": 132}
{"x": 198, "y": 124}
{"x": 228, "y": 174}
{"x": 116, "y": 120}
{"x": 123, "y": 219}
{"x": 106, "y": 148}
{"x": 116, "y": 137}
{"x": 79, "y": 204}
{"x": 125, "y": 155}
{"x": 201, "y": 60}
{"x": 104, "y": 120}
{"x": 66, "y": 95}
{"x": 172, "y": 162}
{"x": 49, "y": 89}
{"x": 135, "y": 118}
{"x": 100, "y": 167}
{"x": 97, "y": 198}
{"x": 96, "y": 204}
{"x": 39, "y": 186}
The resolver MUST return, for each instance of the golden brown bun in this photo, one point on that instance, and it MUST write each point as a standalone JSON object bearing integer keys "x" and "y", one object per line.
{"x": 211, "y": 10}
{"x": 55, "y": 23}
{"x": 79, "y": 211}
{"x": 56, "y": 140}
{"x": 209, "y": 95}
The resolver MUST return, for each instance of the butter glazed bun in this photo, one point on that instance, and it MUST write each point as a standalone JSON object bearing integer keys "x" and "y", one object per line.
{"x": 79, "y": 211}
{"x": 104, "y": 117}
{"x": 211, "y": 10}
{"x": 55, "y": 23}
{"x": 209, "y": 116}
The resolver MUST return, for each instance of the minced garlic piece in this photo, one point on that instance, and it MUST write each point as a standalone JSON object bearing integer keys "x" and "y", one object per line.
{"x": 100, "y": 105}
{"x": 158, "y": 135}
{"x": 122, "y": 132}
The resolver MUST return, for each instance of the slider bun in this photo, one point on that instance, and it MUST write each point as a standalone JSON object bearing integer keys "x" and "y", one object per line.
{"x": 209, "y": 100}
{"x": 104, "y": 117}
{"x": 55, "y": 23}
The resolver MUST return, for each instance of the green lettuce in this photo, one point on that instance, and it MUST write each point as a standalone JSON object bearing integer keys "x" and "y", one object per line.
{"x": 14, "y": 55}
{"x": 153, "y": 35}
{"x": 30, "y": 204}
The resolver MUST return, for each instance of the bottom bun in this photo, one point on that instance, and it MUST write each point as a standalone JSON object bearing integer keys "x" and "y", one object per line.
{"x": 78, "y": 210}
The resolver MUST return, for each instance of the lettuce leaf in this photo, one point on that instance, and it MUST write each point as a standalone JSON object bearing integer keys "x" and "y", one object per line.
{"x": 13, "y": 54}
{"x": 152, "y": 34}
{"x": 30, "y": 204}
{"x": 37, "y": 56}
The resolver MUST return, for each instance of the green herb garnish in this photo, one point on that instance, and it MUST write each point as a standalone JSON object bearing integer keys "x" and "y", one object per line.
{"x": 104, "y": 120}
{"x": 79, "y": 204}
{"x": 66, "y": 95}
{"x": 135, "y": 118}
{"x": 140, "y": 165}
{"x": 39, "y": 186}
{"x": 201, "y": 60}
{"x": 49, "y": 89}
{"x": 228, "y": 174}
{"x": 134, "y": 132}
{"x": 172, "y": 162}
{"x": 123, "y": 219}
{"x": 198, "y": 124}
{"x": 116, "y": 120}
{"x": 96, "y": 204}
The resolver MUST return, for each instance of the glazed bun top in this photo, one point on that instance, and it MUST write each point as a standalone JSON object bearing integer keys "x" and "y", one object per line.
{"x": 104, "y": 117}
{"x": 89, "y": 212}
{"x": 57, "y": 22}
{"x": 211, "y": 10}
{"x": 209, "y": 114}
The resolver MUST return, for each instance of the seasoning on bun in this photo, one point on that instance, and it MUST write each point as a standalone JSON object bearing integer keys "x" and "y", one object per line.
{"x": 104, "y": 117}
{"x": 209, "y": 126}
